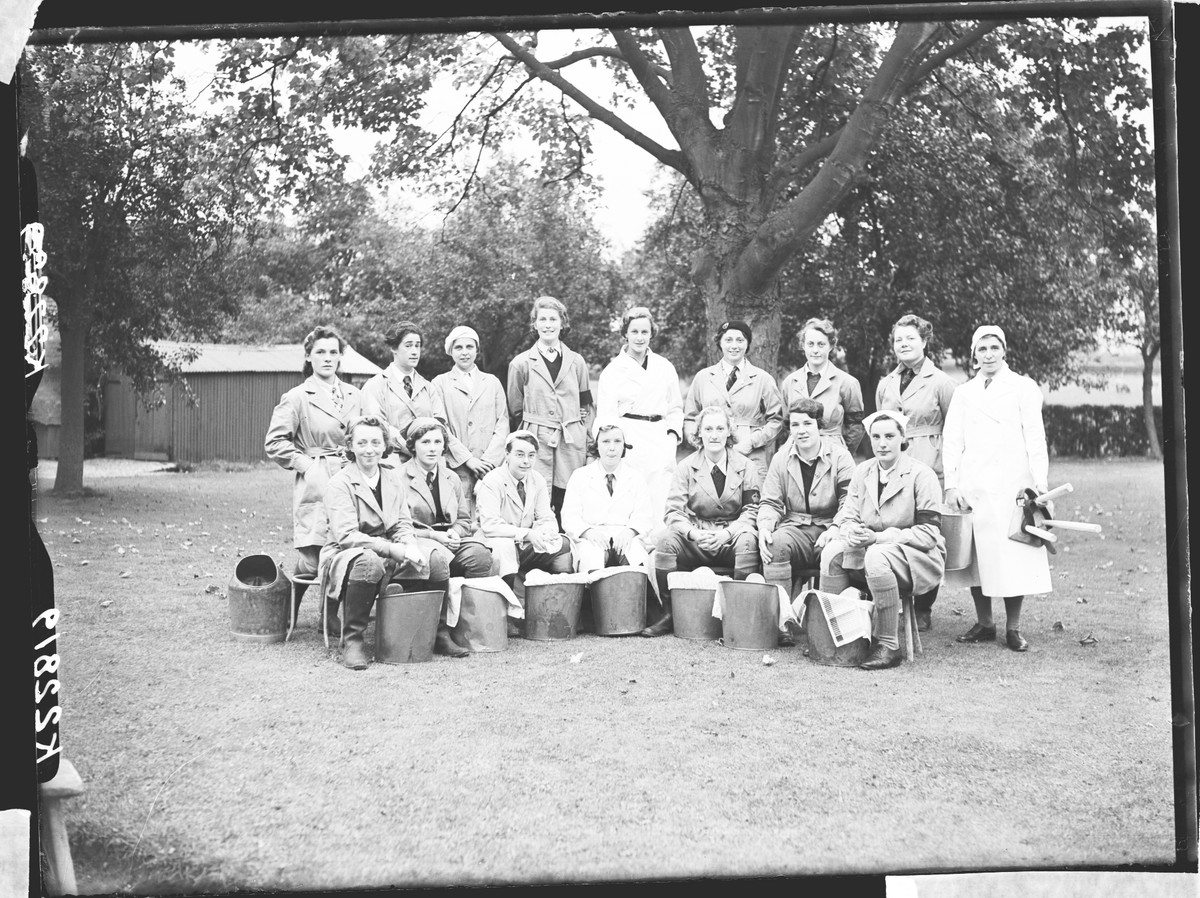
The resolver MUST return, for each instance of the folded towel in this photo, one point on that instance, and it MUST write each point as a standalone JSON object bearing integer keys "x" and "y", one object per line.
{"x": 490, "y": 584}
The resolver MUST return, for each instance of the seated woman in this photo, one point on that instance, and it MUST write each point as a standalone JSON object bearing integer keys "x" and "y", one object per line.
{"x": 710, "y": 511}
{"x": 515, "y": 517}
{"x": 371, "y": 543}
{"x": 889, "y": 531}
{"x": 441, "y": 517}
{"x": 805, "y": 488}
{"x": 607, "y": 507}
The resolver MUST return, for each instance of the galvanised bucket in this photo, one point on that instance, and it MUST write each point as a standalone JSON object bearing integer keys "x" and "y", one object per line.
{"x": 482, "y": 621}
{"x": 552, "y": 610}
{"x": 692, "y": 614}
{"x": 260, "y": 599}
{"x": 406, "y": 625}
{"x": 749, "y": 615}
{"x": 619, "y": 604}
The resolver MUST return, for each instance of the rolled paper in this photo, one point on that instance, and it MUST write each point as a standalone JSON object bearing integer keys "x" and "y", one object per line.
{"x": 1054, "y": 493}
{"x": 1073, "y": 525}
{"x": 1041, "y": 534}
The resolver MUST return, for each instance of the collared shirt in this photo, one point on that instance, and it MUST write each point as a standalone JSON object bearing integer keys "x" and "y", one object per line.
{"x": 587, "y": 502}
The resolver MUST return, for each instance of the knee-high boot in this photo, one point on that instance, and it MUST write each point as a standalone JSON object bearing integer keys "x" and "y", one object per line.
{"x": 358, "y": 598}
{"x": 664, "y": 624}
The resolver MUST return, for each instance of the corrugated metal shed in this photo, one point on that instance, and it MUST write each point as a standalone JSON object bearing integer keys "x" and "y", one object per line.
{"x": 219, "y": 412}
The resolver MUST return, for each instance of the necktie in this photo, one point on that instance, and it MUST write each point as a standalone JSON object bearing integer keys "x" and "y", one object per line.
{"x": 987, "y": 382}
{"x": 718, "y": 478}
{"x": 609, "y": 481}
{"x": 906, "y": 377}
{"x": 436, "y": 492}
{"x": 521, "y": 491}
{"x": 408, "y": 385}
{"x": 731, "y": 380}
{"x": 336, "y": 393}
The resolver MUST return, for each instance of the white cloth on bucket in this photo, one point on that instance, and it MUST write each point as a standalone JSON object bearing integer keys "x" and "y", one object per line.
{"x": 489, "y": 584}
{"x": 642, "y": 561}
{"x": 785, "y": 607}
{"x": 538, "y": 577}
{"x": 847, "y": 613}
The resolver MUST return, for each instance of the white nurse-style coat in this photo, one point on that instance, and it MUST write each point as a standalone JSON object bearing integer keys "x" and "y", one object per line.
{"x": 994, "y": 444}
{"x": 626, "y": 388}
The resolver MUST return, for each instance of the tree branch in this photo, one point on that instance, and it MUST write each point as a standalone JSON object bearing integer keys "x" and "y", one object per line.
{"x": 539, "y": 69}
{"x": 591, "y": 52}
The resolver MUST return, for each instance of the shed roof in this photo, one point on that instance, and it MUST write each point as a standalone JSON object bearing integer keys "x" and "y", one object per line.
{"x": 219, "y": 357}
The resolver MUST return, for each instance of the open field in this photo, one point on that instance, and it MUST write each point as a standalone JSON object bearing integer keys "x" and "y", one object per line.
{"x": 211, "y": 764}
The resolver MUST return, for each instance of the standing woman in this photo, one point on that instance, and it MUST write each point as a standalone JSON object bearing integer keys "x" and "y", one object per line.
{"x": 398, "y": 393}
{"x": 550, "y": 395}
{"x": 889, "y": 530}
{"x": 921, "y": 391}
{"x": 441, "y": 518}
{"x": 840, "y": 393}
{"x": 476, "y": 412}
{"x": 748, "y": 394}
{"x": 307, "y": 435}
{"x": 995, "y": 445}
{"x": 641, "y": 388}
{"x": 371, "y": 543}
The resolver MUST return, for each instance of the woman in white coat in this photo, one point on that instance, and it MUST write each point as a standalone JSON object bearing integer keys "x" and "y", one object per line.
{"x": 641, "y": 388}
{"x": 994, "y": 446}
{"x": 921, "y": 391}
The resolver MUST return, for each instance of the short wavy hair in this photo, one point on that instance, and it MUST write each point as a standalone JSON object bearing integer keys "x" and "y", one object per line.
{"x": 923, "y": 327}
{"x": 707, "y": 412}
{"x": 320, "y": 332}
{"x": 824, "y": 325}
{"x": 633, "y": 314}
{"x": 548, "y": 302}
{"x": 402, "y": 330}
{"x": 594, "y": 439}
{"x": 369, "y": 421}
{"x": 810, "y": 407}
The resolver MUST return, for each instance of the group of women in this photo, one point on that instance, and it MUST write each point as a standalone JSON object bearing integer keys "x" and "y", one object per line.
{"x": 494, "y": 479}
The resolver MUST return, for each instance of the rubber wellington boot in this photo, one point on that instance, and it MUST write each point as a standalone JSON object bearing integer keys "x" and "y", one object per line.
{"x": 664, "y": 625}
{"x": 359, "y": 597}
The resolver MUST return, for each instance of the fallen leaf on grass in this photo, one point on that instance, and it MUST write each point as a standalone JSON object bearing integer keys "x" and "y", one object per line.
{"x": 1105, "y": 565}
{"x": 43, "y": 520}
{"x": 957, "y": 611}
{"x": 85, "y": 561}
{"x": 731, "y": 675}
{"x": 124, "y": 575}
{"x": 1089, "y": 640}
{"x": 106, "y": 603}
{"x": 768, "y": 660}
{"x": 575, "y": 659}
{"x": 212, "y": 589}
{"x": 75, "y": 540}
{"x": 1081, "y": 600}
{"x": 1058, "y": 626}
{"x": 120, "y": 550}
{"x": 1128, "y": 639}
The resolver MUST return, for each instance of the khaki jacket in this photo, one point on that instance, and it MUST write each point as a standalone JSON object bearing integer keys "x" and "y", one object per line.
{"x": 501, "y": 511}
{"x": 754, "y": 404}
{"x": 476, "y": 415}
{"x": 839, "y": 393}
{"x": 925, "y": 404}
{"x": 420, "y": 500}
{"x": 692, "y": 501}
{"x": 384, "y": 396}
{"x": 307, "y": 435}
{"x": 783, "y": 490}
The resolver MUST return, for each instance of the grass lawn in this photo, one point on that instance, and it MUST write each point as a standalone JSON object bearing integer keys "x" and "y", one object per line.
{"x": 212, "y": 764}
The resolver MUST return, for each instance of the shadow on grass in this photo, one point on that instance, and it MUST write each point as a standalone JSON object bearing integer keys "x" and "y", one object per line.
{"x": 112, "y": 863}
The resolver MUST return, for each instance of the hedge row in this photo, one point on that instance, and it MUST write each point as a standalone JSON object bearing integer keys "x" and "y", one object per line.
{"x": 1094, "y": 431}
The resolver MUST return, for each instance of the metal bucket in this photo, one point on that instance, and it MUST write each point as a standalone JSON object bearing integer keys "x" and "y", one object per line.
{"x": 406, "y": 625}
{"x": 749, "y": 616}
{"x": 619, "y": 604}
{"x": 482, "y": 621}
{"x": 957, "y": 531}
{"x": 821, "y": 647}
{"x": 260, "y": 599}
{"x": 552, "y": 610}
{"x": 691, "y": 612}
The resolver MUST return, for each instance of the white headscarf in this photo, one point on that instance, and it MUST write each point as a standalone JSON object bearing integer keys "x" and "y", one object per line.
{"x": 900, "y": 419}
{"x": 987, "y": 330}
{"x": 458, "y": 333}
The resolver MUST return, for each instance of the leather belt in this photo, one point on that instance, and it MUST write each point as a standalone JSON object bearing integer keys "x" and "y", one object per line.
{"x": 643, "y": 417}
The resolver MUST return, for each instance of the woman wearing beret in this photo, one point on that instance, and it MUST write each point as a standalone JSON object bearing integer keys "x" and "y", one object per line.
{"x": 921, "y": 391}
{"x": 550, "y": 395}
{"x": 710, "y": 512}
{"x": 441, "y": 517}
{"x": 641, "y": 388}
{"x": 820, "y": 379}
{"x": 307, "y": 435}
{"x": 749, "y": 395}
{"x": 805, "y": 488}
{"x": 995, "y": 446}
{"x": 476, "y": 412}
{"x": 888, "y": 532}
{"x": 398, "y": 393}
{"x": 371, "y": 543}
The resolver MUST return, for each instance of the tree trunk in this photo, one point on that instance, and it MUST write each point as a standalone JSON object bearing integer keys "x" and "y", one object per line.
{"x": 73, "y": 334}
{"x": 1148, "y": 357}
